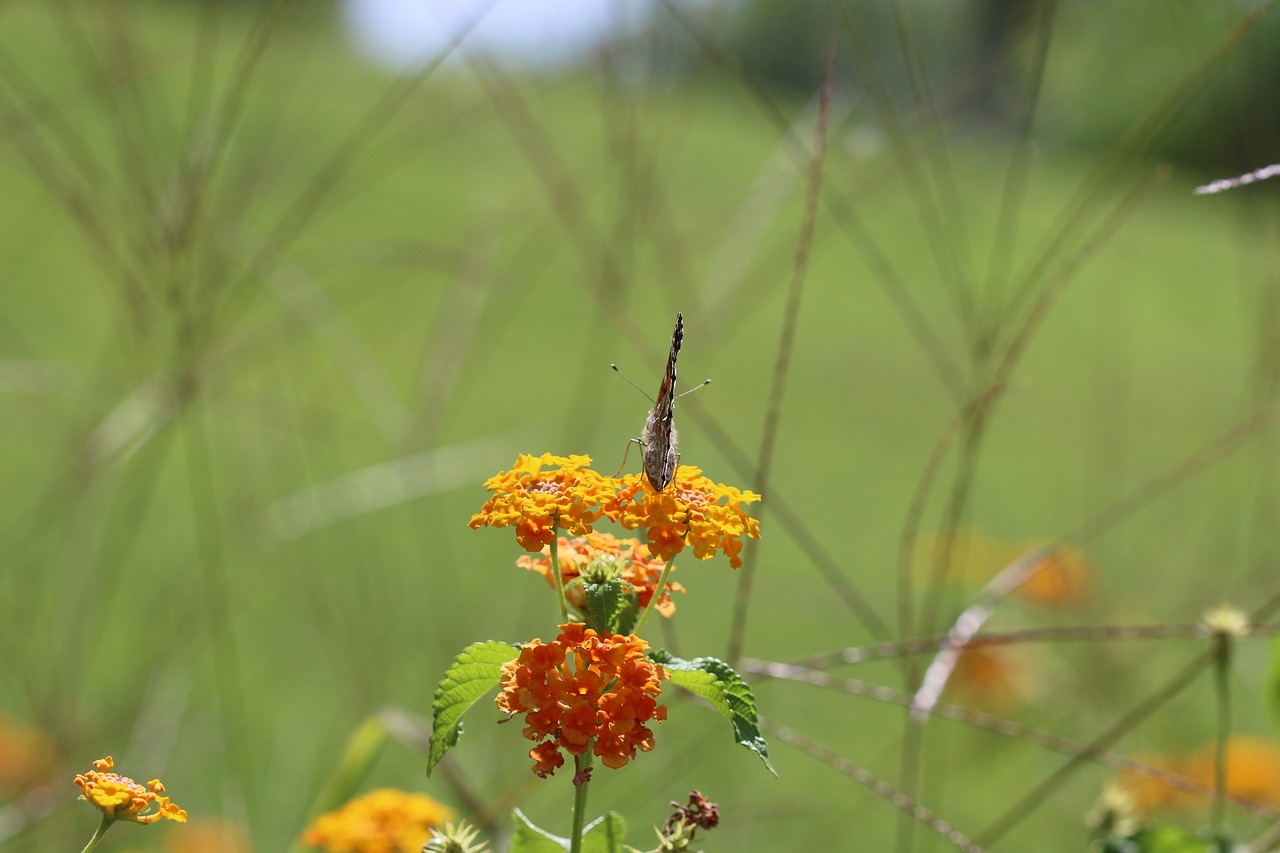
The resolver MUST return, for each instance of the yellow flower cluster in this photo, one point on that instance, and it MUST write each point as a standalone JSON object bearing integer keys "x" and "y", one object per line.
{"x": 543, "y": 494}
{"x": 120, "y": 798}
{"x": 387, "y": 820}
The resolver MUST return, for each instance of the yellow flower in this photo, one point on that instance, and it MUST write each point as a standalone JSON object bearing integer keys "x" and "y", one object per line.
{"x": 120, "y": 798}
{"x": 630, "y": 558}
{"x": 566, "y": 495}
{"x": 387, "y": 820}
{"x": 692, "y": 510}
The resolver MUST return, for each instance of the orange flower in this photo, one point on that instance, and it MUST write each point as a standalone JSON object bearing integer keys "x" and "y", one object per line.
{"x": 1253, "y": 768}
{"x": 584, "y": 687}
{"x": 209, "y": 836}
{"x": 993, "y": 678}
{"x": 26, "y": 756}
{"x": 387, "y": 820}
{"x": 567, "y": 495}
{"x": 121, "y": 798}
{"x": 1063, "y": 577}
{"x": 693, "y": 510}
{"x": 629, "y": 557}
{"x": 1147, "y": 791}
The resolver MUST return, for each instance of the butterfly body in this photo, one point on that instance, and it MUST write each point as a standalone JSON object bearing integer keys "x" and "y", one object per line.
{"x": 658, "y": 440}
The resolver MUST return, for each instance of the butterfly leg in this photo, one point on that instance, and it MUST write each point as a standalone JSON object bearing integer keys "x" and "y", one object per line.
{"x": 625, "y": 453}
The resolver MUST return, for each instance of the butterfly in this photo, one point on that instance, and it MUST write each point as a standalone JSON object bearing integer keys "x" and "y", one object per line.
{"x": 658, "y": 438}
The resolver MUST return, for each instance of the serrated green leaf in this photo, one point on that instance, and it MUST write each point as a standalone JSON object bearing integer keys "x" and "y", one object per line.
{"x": 717, "y": 683}
{"x": 472, "y": 674}
{"x": 530, "y": 838}
{"x": 611, "y": 606}
{"x": 604, "y": 834}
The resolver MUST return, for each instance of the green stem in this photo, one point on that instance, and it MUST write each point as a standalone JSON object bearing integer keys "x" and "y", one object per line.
{"x": 657, "y": 593}
{"x": 555, "y": 576}
{"x": 1222, "y": 661}
{"x": 107, "y": 820}
{"x": 581, "y": 766}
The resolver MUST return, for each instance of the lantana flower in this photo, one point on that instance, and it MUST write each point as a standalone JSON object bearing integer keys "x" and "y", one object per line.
{"x": 581, "y": 688}
{"x": 543, "y": 493}
{"x": 630, "y": 559}
{"x": 693, "y": 510}
{"x": 120, "y": 798}
{"x": 387, "y": 820}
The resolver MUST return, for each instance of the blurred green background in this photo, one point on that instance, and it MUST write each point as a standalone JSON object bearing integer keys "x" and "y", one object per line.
{"x": 271, "y": 313}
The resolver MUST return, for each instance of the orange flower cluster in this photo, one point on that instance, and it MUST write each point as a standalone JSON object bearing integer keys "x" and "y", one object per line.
{"x": 694, "y": 510}
{"x": 570, "y": 496}
{"x": 629, "y": 556}
{"x": 580, "y": 688}
{"x": 387, "y": 820}
{"x": 120, "y": 798}
{"x": 567, "y": 494}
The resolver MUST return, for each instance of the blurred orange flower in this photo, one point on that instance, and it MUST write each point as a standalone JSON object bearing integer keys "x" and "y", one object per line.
{"x": 387, "y": 820}
{"x": 566, "y": 495}
{"x": 993, "y": 678}
{"x": 1253, "y": 768}
{"x": 630, "y": 557}
{"x": 581, "y": 687}
{"x": 27, "y": 756}
{"x": 209, "y": 836}
{"x": 1253, "y": 772}
{"x": 693, "y": 510}
{"x": 1063, "y": 577}
{"x": 120, "y": 798}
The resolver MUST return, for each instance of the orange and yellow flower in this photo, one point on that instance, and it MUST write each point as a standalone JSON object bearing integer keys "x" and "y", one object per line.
{"x": 543, "y": 493}
{"x": 692, "y": 510}
{"x": 27, "y": 756}
{"x": 584, "y": 688}
{"x": 630, "y": 557}
{"x": 387, "y": 820}
{"x": 120, "y": 798}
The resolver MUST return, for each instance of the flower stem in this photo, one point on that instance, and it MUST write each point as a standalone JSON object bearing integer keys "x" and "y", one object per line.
{"x": 1222, "y": 666}
{"x": 559, "y": 581}
{"x": 658, "y": 592}
{"x": 581, "y": 778}
{"x": 107, "y": 820}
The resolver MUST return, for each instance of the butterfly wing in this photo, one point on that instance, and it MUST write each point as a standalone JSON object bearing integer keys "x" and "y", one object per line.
{"x": 659, "y": 436}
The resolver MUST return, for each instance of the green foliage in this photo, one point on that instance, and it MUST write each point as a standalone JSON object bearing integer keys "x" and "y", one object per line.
{"x": 1165, "y": 839}
{"x": 472, "y": 674}
{"x": 602, "y": 835}
{"x": 716, "y": 682}
{"x": 611, "y": 606}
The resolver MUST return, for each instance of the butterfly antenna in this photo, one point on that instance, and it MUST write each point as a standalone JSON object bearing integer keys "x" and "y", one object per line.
{"x": 632, "y": 384}
{"x": 703, "y": 384}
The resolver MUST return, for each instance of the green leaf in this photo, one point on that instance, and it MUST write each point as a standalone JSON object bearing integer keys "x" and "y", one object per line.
{"x": 717, "y": 683}
{"x": 529, "y": 838}
{"x": 604, "y": 834}
{"x": 1166, "y": 839}
{"x": 611, "y": 606}
{"x": 471, "y": 675}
